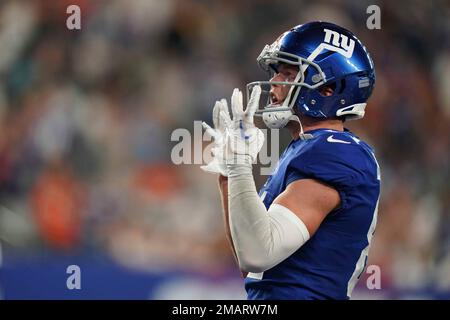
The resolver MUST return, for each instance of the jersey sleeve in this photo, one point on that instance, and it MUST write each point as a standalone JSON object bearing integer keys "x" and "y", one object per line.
{"x": 342, "y": 166}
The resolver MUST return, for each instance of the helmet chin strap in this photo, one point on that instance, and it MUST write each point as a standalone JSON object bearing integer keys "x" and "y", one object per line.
{"x": 301, "y": 135}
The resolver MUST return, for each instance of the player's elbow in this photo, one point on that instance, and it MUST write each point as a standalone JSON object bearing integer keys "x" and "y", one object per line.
{"x": 253, "y": 264}
{"x": 253, "y": 268}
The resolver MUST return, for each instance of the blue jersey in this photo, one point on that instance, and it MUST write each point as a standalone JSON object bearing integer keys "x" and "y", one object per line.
{"x": 330, "y": 263}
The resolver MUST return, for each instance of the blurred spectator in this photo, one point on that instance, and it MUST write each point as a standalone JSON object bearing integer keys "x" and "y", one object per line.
{"x": 57, "y": 208}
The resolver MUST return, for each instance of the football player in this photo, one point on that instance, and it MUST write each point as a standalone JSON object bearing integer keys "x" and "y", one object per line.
{"x": 307, "y": 234}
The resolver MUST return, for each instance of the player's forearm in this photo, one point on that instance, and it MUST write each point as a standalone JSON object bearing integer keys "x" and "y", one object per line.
{"x": 262, "y": 238}
{"x": 246, "y": 209}
{"x": 223, "y": 187}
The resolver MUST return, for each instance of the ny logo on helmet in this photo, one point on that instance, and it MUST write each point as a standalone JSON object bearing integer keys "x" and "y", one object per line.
{"x": 337, "y": 42}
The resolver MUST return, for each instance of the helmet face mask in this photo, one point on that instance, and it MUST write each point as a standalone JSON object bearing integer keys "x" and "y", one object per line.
{"x": 325, "y": 54}
{"x": 276, "y": 116}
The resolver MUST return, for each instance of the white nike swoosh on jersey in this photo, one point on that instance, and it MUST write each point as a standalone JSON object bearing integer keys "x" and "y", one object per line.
{"x": 331, "y": 139}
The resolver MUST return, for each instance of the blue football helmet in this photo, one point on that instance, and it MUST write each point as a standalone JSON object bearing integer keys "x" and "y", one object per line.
{"x": 326, "y": 55}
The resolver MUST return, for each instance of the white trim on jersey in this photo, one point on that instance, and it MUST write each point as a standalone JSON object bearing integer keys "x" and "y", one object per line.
{"x": 360, "y": 264}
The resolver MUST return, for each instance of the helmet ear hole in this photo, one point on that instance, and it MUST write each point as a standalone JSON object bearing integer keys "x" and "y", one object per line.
{"x": 327, "y": 90}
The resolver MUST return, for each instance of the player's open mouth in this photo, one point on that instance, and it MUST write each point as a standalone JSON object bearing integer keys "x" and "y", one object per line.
{"x": 273, "y": 99}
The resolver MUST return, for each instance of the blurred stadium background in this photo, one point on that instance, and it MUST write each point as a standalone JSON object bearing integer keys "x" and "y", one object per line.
{"x": 85, "y": 121}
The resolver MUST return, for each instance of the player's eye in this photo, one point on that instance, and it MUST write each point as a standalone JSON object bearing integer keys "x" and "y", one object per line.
{"x": 290, "y": 75}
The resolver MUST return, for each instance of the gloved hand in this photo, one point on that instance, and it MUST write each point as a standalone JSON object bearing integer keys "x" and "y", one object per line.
{"x": 220, "y": 116}
{"x": 243, "y": 140}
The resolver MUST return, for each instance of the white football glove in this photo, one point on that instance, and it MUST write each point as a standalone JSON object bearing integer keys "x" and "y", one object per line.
{"x": 243, "y": 140}
{"x": 220, "y": 116}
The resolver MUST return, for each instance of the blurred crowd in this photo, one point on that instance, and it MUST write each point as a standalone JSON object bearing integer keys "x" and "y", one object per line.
{"x": 86, "y": 118}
